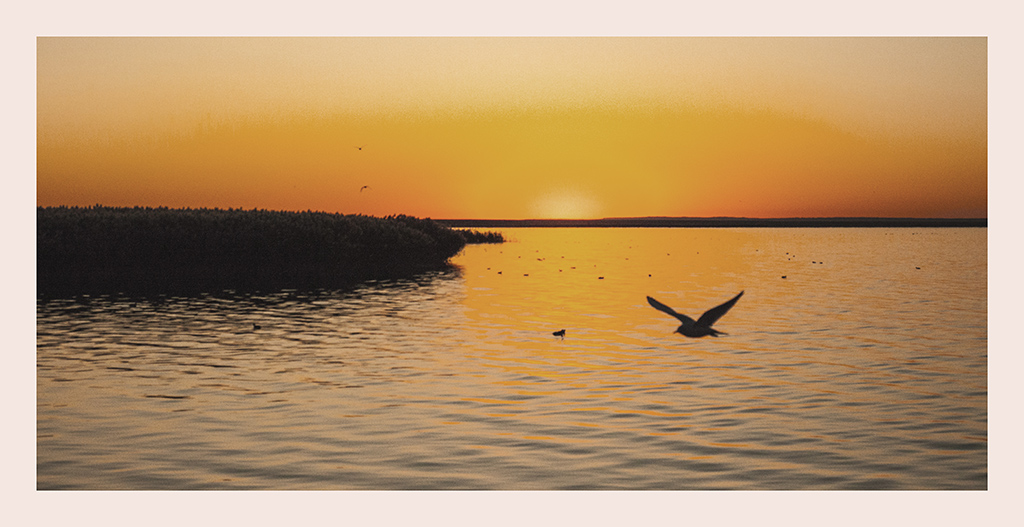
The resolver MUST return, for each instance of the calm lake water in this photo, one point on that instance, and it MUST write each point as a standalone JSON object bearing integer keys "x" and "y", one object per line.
{"x": 856, "y": 359}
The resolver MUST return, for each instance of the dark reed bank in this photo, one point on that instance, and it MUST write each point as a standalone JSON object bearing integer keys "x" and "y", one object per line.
{"x": 474, "y": 236}
{"x": 152, "y": 250}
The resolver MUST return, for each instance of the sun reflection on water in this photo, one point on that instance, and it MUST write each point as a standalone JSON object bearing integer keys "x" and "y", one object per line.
{"x": 859, "y": 372}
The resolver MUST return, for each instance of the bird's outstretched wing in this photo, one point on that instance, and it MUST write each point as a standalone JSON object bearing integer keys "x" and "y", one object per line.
{"x": 665, "y": 309}
{"x": 712, "y": 315}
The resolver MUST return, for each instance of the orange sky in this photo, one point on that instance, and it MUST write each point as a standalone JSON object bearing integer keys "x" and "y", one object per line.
{"x": 518, "y": 127}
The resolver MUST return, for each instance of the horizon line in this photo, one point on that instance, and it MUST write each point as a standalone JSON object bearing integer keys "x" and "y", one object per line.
{"x": 721, "y": 221}
{"x": 768, "y": 218}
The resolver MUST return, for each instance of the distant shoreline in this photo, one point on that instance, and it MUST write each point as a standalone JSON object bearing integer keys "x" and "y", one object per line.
{"x": 726, "y": 222}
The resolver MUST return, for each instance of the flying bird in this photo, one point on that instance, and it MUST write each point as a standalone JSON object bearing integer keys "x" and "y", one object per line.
{"x": 359, "y": 147}
{"x": 702, "y": 326}
{"x": 364, "y": 187}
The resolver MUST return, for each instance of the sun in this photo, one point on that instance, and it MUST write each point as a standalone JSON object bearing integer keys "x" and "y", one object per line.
{"x": 565, "y": 203}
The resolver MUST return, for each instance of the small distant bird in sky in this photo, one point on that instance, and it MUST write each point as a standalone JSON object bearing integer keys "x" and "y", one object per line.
{"x": 364, "y": 187}
{"x": 702, "y": 326}
{"x": 360, "y": 147}
{"x": 559, "y": 333}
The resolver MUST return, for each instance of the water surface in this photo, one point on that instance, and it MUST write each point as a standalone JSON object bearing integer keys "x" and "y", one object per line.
{"x": 856, "y": 359}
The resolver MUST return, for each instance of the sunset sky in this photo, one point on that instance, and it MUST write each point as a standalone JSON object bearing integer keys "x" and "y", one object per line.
{"x": 518, "y": 127}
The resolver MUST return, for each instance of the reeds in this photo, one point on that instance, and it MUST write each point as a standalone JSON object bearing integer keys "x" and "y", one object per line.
{"x": 474, "y": 236}
{"x": 142, "y": 249}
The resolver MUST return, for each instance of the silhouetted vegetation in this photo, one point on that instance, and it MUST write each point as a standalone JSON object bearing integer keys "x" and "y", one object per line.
{"x": 474, "y": 236}
{"x": 109, "y": 249}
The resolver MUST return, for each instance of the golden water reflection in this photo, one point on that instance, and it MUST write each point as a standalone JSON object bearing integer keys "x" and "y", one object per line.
{"x": 865, "y": 367}
{"x": 821, "y": 330}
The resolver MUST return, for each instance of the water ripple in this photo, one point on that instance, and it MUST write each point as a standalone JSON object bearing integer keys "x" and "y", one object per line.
{"x": 854, "y": 375}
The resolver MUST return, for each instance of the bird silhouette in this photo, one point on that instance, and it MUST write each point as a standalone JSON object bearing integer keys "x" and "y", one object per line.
{"x": 360, "y": 147}
{"x": 702, "y": 326}
{"x": 559, "y": 333}
{"x": 364, "y": 187}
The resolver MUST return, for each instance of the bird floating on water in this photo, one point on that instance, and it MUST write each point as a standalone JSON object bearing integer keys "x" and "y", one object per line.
{"x": 559, "y": 333}
{"x": 702, "y": 326}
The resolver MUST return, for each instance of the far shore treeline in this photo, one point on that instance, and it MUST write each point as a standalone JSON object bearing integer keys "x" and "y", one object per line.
{"x": 725, "y": 222}
{"x": 157, "y": 250}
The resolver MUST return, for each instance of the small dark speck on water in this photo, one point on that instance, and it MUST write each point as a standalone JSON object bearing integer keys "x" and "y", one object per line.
{"x": 600, "y": 278}
{"x": 783, "y": 277}
{"x": 257, "y": 326}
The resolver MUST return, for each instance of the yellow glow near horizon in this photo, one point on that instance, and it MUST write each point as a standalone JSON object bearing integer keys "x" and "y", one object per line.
{"x": 565, "y": 204}
{"x": 518, "y": 127}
